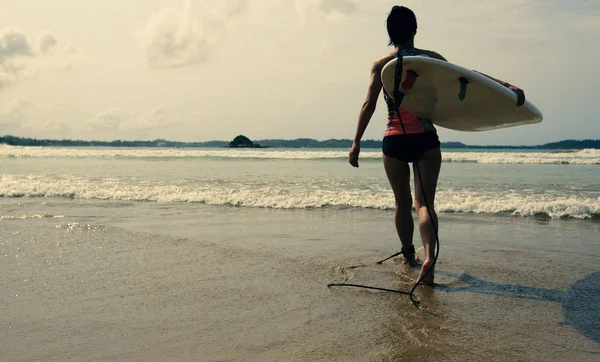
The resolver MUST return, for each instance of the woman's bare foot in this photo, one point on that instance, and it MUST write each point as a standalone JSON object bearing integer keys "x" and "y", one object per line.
{"x": 428, "y": 280}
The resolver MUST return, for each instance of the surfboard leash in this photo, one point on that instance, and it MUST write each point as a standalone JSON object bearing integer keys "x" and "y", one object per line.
{"x": 397, "y": 99}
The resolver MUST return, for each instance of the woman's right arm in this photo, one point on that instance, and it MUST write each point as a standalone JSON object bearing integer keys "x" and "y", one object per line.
{"x": 367, "y": 110}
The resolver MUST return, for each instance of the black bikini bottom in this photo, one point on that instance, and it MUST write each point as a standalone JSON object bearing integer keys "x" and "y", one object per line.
{"x": 410, "y": 147}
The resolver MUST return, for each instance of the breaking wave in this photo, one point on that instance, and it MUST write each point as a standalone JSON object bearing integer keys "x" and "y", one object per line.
{"x": 582, "y": 157}
{"x": 296, "y": 196}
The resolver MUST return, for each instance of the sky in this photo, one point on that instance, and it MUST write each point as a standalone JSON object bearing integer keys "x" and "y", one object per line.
{"x": 199, "y": 70}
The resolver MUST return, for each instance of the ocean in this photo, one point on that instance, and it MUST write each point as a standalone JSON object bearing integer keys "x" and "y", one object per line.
{"x": 135, "y": 254}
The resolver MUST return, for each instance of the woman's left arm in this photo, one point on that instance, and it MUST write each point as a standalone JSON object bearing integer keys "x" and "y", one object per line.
{"x": 517, "y": 90}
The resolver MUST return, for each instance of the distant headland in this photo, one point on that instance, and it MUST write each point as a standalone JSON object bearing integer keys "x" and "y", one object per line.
{"x": 244, "y": 142}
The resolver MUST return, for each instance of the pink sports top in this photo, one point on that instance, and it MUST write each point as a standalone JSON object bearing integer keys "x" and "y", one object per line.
{"x": 412, "y": 123}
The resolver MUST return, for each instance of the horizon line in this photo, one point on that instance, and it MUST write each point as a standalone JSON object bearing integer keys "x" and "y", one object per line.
{"x": 282, "y": 139}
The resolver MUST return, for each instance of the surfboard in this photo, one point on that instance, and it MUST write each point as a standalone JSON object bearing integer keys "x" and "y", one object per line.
{"x": 457, "y": 98}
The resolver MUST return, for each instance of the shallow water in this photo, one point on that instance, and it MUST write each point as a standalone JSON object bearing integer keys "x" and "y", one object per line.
{"x": 514, "y": 183}
{"x": 116, "y": 280}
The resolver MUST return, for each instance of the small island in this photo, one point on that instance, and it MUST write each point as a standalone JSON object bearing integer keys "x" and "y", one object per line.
{"x": 244, "y": 142}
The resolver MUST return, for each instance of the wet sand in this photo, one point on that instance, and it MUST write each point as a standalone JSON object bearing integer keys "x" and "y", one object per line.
{"x": 107, "y": 281}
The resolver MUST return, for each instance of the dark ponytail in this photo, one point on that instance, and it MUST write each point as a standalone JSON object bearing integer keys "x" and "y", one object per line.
{"x": 401, "y": 25}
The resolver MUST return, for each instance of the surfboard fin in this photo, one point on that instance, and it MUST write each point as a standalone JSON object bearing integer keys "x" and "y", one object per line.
{"x": 409, "y": 81}
{"x": 463, "y": 88}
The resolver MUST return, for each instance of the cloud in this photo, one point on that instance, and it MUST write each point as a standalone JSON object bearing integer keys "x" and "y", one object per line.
{"x": 48, "y": 129}
{"x": 175, "y": 38}
{"x": 151, "y": 120}
{"x": 329, "y": 8}
{"x": 300, "y": 7}
{"x": 109, "y": 119}
{"x": 18, "y": 112}
{"x": 57, "y": 126}
{"x": 45, "y": 43}
{"x": 119, "y": 120}
{"x": 13, "y": 43}
{"x": 338, "y": 7}
{"x": 21, "y": 58}
{"x": 30, "y": 119}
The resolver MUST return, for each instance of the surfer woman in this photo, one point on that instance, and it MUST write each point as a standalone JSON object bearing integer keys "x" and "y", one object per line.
{"x": 410, "y": 140}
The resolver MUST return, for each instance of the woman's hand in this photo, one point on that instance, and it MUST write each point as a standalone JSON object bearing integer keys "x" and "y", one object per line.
{"x": 353, "y": 155}
{"x": 520, "y": 95}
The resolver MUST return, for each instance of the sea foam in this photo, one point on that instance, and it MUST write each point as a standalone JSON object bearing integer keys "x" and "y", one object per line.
{"x": 582, "y": 157}
{"x": 299, "y": 197}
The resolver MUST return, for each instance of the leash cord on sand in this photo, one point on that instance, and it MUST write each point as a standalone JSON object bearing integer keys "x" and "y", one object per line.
{"x": 367, "y": 287}
{"x": 397, "y": 101}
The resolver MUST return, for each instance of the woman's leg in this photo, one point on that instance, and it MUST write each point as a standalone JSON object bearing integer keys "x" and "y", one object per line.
{"x": 398, "y": 174}
{"x": 429, "y": 166}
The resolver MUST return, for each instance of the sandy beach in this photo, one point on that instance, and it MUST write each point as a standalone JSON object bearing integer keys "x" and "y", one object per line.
{"x": 116, "y": 281}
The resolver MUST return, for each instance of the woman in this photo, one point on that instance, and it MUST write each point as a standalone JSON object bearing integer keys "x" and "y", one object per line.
{"x": 412, "y": 140}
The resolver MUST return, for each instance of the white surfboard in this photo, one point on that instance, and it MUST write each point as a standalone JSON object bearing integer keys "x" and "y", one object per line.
{"x": 457, "y": 98}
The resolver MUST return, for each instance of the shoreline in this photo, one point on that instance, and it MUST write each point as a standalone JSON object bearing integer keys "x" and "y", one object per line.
{"x": 539, "y": 218}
